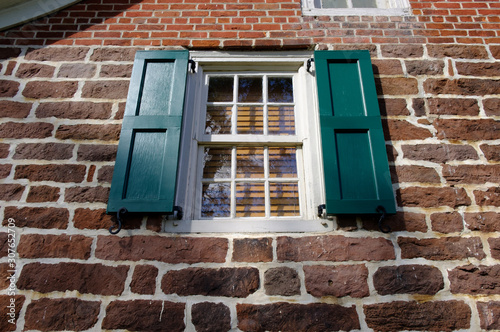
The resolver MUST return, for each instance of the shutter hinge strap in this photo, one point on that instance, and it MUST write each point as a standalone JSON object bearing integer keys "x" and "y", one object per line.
{"x": 321, "y": 210}
{"x": 122, "y": 211}
{"x": 309, "y": 64}
{"x": 192, "y": 66}
{"x": 381, "y": 227}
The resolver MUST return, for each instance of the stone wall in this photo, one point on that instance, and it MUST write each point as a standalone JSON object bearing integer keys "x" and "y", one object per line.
{"x": 63, "y": 87}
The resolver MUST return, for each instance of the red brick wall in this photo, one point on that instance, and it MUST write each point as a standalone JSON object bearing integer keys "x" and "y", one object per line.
{"x": 63, "y": 88}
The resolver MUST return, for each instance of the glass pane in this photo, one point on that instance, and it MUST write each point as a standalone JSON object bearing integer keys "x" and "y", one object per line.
{"x": 284, "y": 199}
{"x": 250, "y": 200}
{"x": 250, "y": 120}
{"x": 281, "y": 120}
{"x": 364, "y": 3}
{"x": 250, "y": 90}
{"x": 218, "y": 120}
{"x": 333, "y": 3}
{"x": 282, "y": 162}
{"x": 217, "y": 163}
{"x": 280, "y": 90}
{"x": 220, "y": 89}
{"x": 216, "y": 201}
{"x": 249, "y": 162}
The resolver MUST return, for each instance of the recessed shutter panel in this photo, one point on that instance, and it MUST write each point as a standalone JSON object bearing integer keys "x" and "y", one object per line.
{"x": 357, "y": 178}
{"x": 145, "y": 172}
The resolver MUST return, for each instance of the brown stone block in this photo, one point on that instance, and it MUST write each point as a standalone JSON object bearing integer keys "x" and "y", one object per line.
{"x": 145, "y": 315}
{"x": 462, "y": 86}
{"x": 74, "y": 110}
{"x": 490, "y": 197}
{"x": 446, "y": 248}
{"x": 57, "y": 54}
{"x": 38, "y": 217}
{"x": 14, "y": 109}
{"x": 9, "y": 52}
{"x": 457, "y": 51}
{"x": 396, "y": 86}
{"x": 387, "y": 67}
{"x": 477, "y": 174}
{"x": 283, "y": 316}
{"x": 409, "y": 173}
{"x": 491, "y": 152}
{"x": 401, "y": 221}
{"x": 489, "y": 315}
{"x": 105, "y": 174}
{"x": 29, "y": 70}
{"x": 38, "y": 194}
{"x": 408, "y": 279}
{"x": 334, "y": 248}
{"x": 6, "y": 311}
{"x": 89, "y": 132}
{"x": 47, "y": 89}
{"x": 478, "y": 68}
{"x": 399, "y": 130}
{"x": 338, "y": 281}
{"x": 424, "y": 67}
{"x": 475, "y": 280}
{"x": 439, "y": 153}
{"x": 4, "y": 251}
{"x": 427, "y": 197}
{"x": 483, "y": 221}
{"x": 26, "y": 130}
{"x": 492, "y": 106}
{"x": 8, "y": 88}
{"x": 402, "y": 51}
{"x": 113, "y": 54}
{"x": 85, "y": 278}
{"x": 4, "y": 150}
{"x": 252, "y": 250}
{"x": 116, "y": 71}
{"x": 173, "y": 250}
{"x": 77, "y": 70}
{"x": 453, "y": 106}
{"x": 211, "y": 317}
{"x": 228, "y": 282}
{"x": 52, "y": 172}
{"x": 282, "y": 281}
{"x": 144, "y": 279}
{"x": 6, "y": 271}
{"x": 393, "y": 107}
{"x": 447, "y": 222}
{"x": 5, "y": 170}
{"x": 474, "y": 130}
{"x": 426, "y": 316}
{"x": 87, "y": 194}
{"x": 54, "y": 246}
{"x": 44, "y": 151}
{"x": 105, "y": 89}
{"x": 61, "y": 314}
{"x": 94, "y": 219}
{"x": 95, "y": 152}
{"x": 11, "y": 191}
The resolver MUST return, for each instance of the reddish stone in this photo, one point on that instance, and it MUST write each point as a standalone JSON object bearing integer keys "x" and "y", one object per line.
{"x": 401, "y": 221}
{"x": 457, "y": 51}
{"x": 38, "y": 217}
{"x": 44, "y": 151}
{"x": 76, "y": 70}
{"x": 105, "y": 89}
{"x": 86, "y": 194}
{"x": 447, "y": 222}
{"x": 283, "y": 316}
{"x": 26, "y": 130}
{"x": 419, "y": 106}
{"x": 492, "y": 106}
{"x": 489, "y": 315}
{"x": 8, "y": 88}
{"x": 393, "y": 107}
{"x": 29, "y": 70}
{"x": 6, "y": 271}
{"x": 113, "y": 54}
{"x": 9, "y": 52}
{"x": 446, "y": 248}
{"x": 483, "y": 221}
{"x": 14, "y": 109}
{"x": 448, "y": 106}
{"x": 47, "y": 89}
{"x": 4, "y": 150}
{"x": 11, "y": 191}
{"x": 477, "y": 174}
{"x": 211, "y": 317}
{"x": 116, "y": 71}
{"x": 74, "y": 110}
{"x": 461, "y": 86}
{"x": 49, "y": 314}
{"x": 409, "y": 173}
{"x": 475, "y": 280}
{"x": 57, "y": 54}
{"x": 408, "y": 279}
{"x": 94, "y": 152}
{"x": 10, "y": 305}
{"x": 38, "y": 194}
{"x": 228, "y": 282}
{"x": 51, "y": 172}
{"x": 4, "y": 245}
{"x": 5, "y": 171}
{"x": 424, "y": 67}
{"x": 491, "y": 152}
{"x": 333, "y": 248}
{"x": 494, "y": 247}
{"x": 398, "y": 130}
{"x": 282, "y": 281}
{"x": 105, "y": 174}
{"x": 472, "y": 130}
{"x": 338, "y": 281}
{"x": 252, "y": 250}
{"x": 93, "y": 219}
{"x": 89, "y": 132}
{"x": 490, "y": 197}
{"x": 439, "y": 153}
{"x": 54, "y": 246}
{"x": 144, "y": 279}
{"x": 402, "y": 51}
{"x": 478, "y": 68}
{"x": 387, "y": 67}
{"x": 397, "y": 86}
{"x": 432, "y": 197}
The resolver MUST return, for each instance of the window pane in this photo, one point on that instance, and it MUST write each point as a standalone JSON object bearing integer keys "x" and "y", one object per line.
{"x": 250, "y": 90}
{"x": 333, "y": 4}
{"x": 282, "y": 162}
{"x": 364, "y": 4}
{"x": 284, "y": 199}
{"x": 220, "y": 89}
{"x": 218, "y": 120}
{"x": 280, "y": 90}
{"x": 250, "y": 200}
{"x": 281, "y": 120}
{"x": 216, "y": 201}
{"x": 217, "y": 163}
{"x": 250, "y": 163}
{"x": 250, "y": 120}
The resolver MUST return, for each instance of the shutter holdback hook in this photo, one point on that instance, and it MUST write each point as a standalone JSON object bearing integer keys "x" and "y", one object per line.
{"x": 381, "y": 227}
{"x": 118, "y": 223}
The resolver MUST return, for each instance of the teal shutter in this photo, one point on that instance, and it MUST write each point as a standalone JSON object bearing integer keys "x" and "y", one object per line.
{"x": 357, "y": 178}
{"x": 144, "y": 177}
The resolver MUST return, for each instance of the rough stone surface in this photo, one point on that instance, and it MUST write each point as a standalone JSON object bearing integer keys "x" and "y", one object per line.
{"x": 393, "y": 107}
{"x": 447, "y": 248}
{"x": 38, "y": 194}
{"x": 478, "y": 68}
{"x": 51, "y": 172}
{"x": 474, "y": 130}
{"x": 492, "y": 106}
{"x": 491, "y": 152}
{"x": 424, "y": 67}
{"x": 5, "y": 170}
{"x": 489, "y": 314}
{"x": 105, "y": 89}
{"x": 401, "y": 221}
{"x": 408, "y": 279}
{"x": 4, "y": 150}
{"x": 338, "y": 281}
{"x": 91, "y": 152}
{"x": 282, "y": 281}
{"x": 228, "y": 282}
{"x": 57, "y": 54}
{"x": 62, "y": 314}
{"x": 252, "y": 250}
{"x": 93, "y": 219}
{"x": 457, "y": 51}
{"x": 426, "y": 316}
{"x": 494, "y": 247}
{"x": 26, "y": 130}
{"x": 105, "y": 174}
{"x": 48, "y": 89}
{"x": 87, "y": 194}
{"x": 410, "y": 173}
{"x": 433, "y": 197}
{"x": 113, "y": 54}
{"x": 14, "y": 109}
{"x": 5, "y": 301}
{"x": 38, "y": 217}
{"x": 483, "y": 221}
{"x": 478, "y": 174}
{"x": 447, "y": 222}
{"x": 402, "y": 51}
{"x": 89, "y": 132}
{"x": 446, "y": 106}
{"x": 144, "y": 279}
{"x": 11, "y": 191}
{"x": 400, "y": 130}
{"x": 397, "y": 86}
{"x": 462, "y": 86}
{"x": 30, "y": 70}
{"x": 116, "y": 71}
{"x": 475, "y": 280}
{"x": 74, "y": 110}
{"x": 490, "y": 197}
{"x": 44, "y": 151}
{"x": 211, "y": 317}
{"x": 144, "y": 315}
{"x": 85, "y": 278}
{"x": 333, "y": 248}
{"x": 8, "y": 88}
{"x": 76, "y": 70}
{"x": 54, "y": 246}
{"x": 439, "y": 153}
{"x": 296, "y": 317}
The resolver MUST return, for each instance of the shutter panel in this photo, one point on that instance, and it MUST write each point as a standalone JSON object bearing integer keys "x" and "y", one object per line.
{"x": 144, "y": 177}
{"x": 357, "y": 177}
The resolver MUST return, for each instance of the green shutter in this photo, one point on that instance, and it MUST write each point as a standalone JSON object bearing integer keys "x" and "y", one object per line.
{"x": 357, "y": 178}
{"x": 145, "y": 172}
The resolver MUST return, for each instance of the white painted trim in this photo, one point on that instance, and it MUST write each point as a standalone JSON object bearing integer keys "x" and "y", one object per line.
{"x": 391, "y": 8}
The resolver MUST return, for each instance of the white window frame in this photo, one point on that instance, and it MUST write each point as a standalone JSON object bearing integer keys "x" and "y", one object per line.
{"x": 311, "y": 188}
{"x": 386, "y": 8}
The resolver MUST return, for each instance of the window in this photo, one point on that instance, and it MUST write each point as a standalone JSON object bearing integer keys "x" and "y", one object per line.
{"x": 355, "y": 7}
{"x": 251, "y": 142}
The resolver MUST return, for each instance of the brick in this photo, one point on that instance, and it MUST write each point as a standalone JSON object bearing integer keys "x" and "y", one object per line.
{"x": 489, "y": 315}
{"x": 462, "y": 86}
{"x": 227, "y": 282}
{"x": 57, "y": 54}
{"x": 396, "y": 86}
{"x": 38, "y": 194}
{"x": 95, "y": 152}
{"x": 87, "y": 195}
{"x": 483, "y": 221}
{"x": 74, "y": 110}
{"x": 457, "y": 51}
{"x": 54, "y": 246}
{"x": 452, "y": 106}
{"x": 49, "y": 314}
{"x": 14, "y": 109}
{"x": 402, "y": 51}
{"x": 447, "y": 222}
{"x": 77, "y": 70}
{"x": 38, "y": 217}
{"x": 490, "y": 197}
{"x": 5, "y": 302}
{"x": 8, "y": 88}
{"x": 439, "y": 153}
{"x": 408, "y": 279}
{"x": 11, "y": 191}
{"x": 105, "y": 89}
{"x": 393, "y": 107}
{"x": 494, "y": 247}
{"x": 283, "y": 316}
{"x": 424, "y": 67}
{"x": 432, "y": 197}
{"x": 252, "y": 250}
{"x": 492, "y": 106}
{"x": 26, "y": 130}
{"x": 144, "y": 279}
{"x": 30, "y": 70}
{"x": 51, "y": 172}
{"x": 333, "y": 248}
{"x": 477, "y": 130}
{"x": 478, "y": 68}
{"x": 94, "y": 219}
{"x": 9, "y": 52}
{"x": 425, "y": 316}
{"x": 47, "y": 89}
{"x": 337, "y": 281}
{"x": 145, "y": 315}
{"x": 283, "y": 281}
{"x": 446, "y": 248}
{"x": 475, "y": 280}
{"x": 44, "y": 151}
{"x": 408, "y": 173}
{"x": 211, "y": 317}
{"x": 397, "y": 130}
{"x": 85, "y": 278}
{"x": 164, "y": 249}
{"x": 478, "y": 174}
{"x": 401, "y": 221}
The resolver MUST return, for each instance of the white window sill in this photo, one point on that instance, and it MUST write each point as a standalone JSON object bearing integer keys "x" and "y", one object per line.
{"x": 356, "y": 11}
